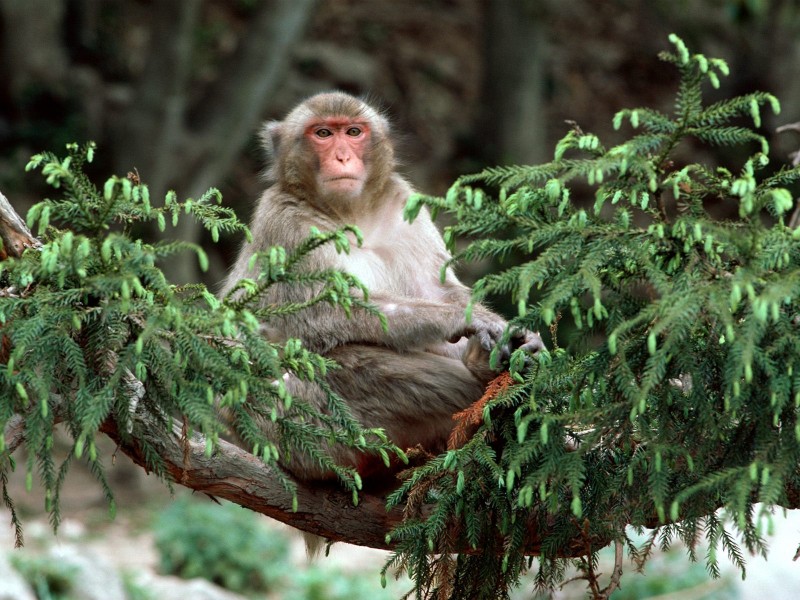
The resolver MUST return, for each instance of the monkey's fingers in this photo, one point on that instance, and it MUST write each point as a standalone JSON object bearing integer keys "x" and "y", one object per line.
{"x": 503, "y": 354}
{"x": 489, "y": 333}
{"x": 464, "y": 332}
{"x": 528, "y": 341}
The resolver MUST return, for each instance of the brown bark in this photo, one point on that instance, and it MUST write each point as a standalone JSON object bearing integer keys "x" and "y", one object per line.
{"x": 15, "y": 234}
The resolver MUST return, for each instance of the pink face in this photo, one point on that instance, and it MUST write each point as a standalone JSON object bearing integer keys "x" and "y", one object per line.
{"x": 340, "y": 144}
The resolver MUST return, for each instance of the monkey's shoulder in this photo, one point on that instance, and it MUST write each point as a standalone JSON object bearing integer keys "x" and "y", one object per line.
{"x": 286, "y": 220}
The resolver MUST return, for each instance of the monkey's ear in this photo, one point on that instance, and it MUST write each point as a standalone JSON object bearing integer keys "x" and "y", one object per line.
{"x": 271, "y": 138}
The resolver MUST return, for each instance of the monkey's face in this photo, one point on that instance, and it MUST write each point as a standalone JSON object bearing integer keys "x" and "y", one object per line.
{"x": 340, "y": 145}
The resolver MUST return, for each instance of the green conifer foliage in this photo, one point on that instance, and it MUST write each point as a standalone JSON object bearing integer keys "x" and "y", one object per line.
{"x": 96, "y": 332}
{"x": 678, "y": 391}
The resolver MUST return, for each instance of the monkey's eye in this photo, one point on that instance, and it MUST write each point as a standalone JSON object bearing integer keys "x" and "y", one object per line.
{"x": 323, "y": 133}
{"x": 354, "y": 131}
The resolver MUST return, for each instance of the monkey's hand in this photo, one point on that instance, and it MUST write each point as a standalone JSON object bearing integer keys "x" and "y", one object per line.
{"x": 484, "y": 337}
{"x": 529, "y": 341}
{"x": 489, "y": 328}
{"x": 521, "y": 339}
{"x": 486, "y": 326}
{"x": 489, "y": 332}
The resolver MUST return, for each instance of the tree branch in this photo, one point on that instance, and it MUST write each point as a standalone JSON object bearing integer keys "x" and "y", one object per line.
{"x": 236, "y": 475}
{"x": 15, "y": 234}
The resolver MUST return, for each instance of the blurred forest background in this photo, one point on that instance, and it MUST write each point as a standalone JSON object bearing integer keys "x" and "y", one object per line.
{"x": 177, "y": 90}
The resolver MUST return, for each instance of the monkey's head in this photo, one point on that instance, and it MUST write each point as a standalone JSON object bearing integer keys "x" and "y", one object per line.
{"x": 333, "y": 151}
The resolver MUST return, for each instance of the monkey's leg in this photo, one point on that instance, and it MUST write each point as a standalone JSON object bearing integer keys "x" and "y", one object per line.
{"x": 412, "y": 396}
{"x": 476, "y": 359}
{"x": 471, "y": 352}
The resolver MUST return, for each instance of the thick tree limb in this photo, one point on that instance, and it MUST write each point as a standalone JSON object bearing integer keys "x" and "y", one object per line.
{"x": 15, "y": 234}
{"x": 14, "y": 433}
{"x": 794, "y": 220}
{"x": 236, "y": 475}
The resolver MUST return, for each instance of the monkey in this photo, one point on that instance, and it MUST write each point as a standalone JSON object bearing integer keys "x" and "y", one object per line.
{"x": 332, "y": 163}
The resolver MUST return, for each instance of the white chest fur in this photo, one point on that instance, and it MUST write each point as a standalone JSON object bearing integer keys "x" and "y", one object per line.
{"x": 393, "y": 263}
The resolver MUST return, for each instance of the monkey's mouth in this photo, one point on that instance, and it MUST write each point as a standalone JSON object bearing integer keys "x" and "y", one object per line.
{"x": 349, "y": 186}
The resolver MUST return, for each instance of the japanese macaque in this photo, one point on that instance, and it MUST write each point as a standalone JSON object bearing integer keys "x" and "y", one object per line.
{"x": 332, "y": 164}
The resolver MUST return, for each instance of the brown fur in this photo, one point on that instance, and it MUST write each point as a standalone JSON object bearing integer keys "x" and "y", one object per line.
{"x": 430, "y": 363}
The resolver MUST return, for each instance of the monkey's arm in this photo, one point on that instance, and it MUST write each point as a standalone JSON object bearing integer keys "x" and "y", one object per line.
{"x": 411, "y": 323}
{"x": 457, "y": 293}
